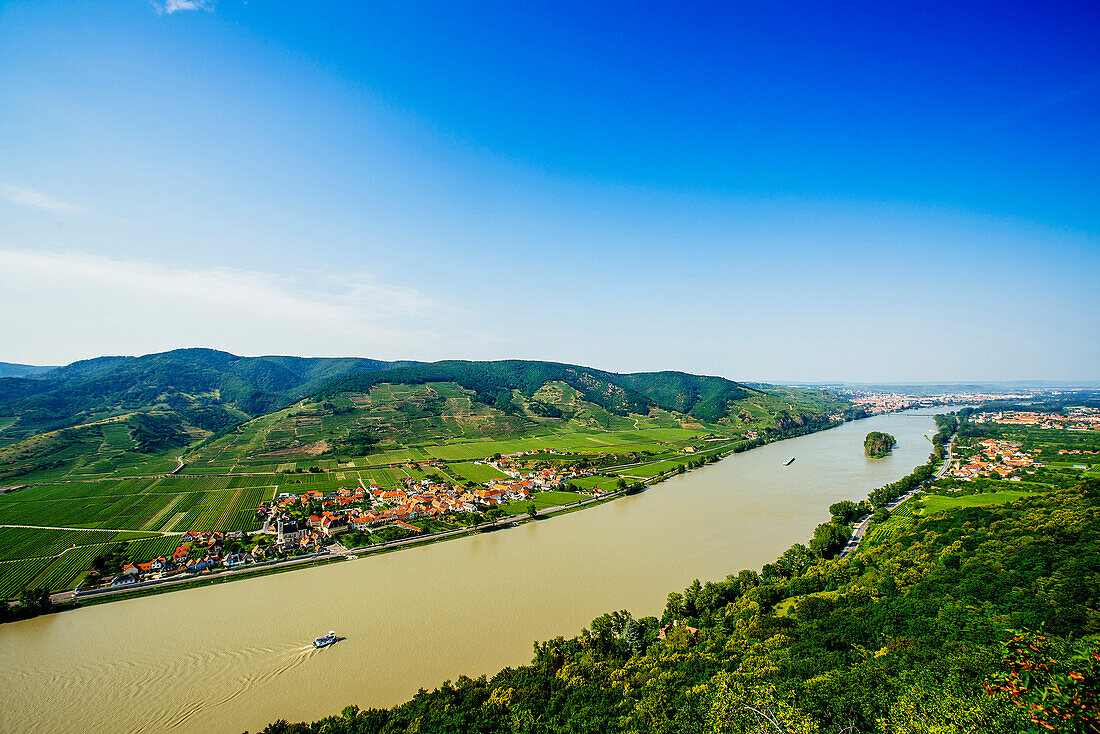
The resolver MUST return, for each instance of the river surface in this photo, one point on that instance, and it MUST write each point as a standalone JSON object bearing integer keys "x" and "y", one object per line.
{"x": 237, "y": 656}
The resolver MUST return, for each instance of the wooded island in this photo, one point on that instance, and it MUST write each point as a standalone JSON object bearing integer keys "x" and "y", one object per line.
{"x": 878, "y": 444}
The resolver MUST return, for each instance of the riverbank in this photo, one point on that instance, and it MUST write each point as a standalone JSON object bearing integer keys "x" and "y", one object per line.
{"x": 161, "y": 586}
{"x": 937, "y": 464}
{"x": 70, "y": 600}
{"x": 231, "y": 657}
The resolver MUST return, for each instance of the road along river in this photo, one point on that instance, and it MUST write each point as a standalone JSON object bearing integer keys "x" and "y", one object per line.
{"x": 236, "y": 656}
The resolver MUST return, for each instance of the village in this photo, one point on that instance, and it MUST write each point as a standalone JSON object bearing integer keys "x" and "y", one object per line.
{"x": 311, "y": 521}
{"x": 995, "y": 458}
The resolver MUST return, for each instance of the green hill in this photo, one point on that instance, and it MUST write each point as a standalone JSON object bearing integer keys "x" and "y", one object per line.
{"x": 150, "y": 439}
{"x": 90, "y": 445}
{"x": 205, "y": 388}
{"x": 709, "y": 399}
{"x": 121, "y": 416}
{"x": 10, "y": 369}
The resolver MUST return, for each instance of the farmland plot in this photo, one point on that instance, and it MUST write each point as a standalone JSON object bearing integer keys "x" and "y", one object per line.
{"x": 15, "y": 575}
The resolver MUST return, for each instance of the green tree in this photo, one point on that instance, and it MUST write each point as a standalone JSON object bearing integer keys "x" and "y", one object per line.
{"x": 877, "y": 444}
{"x": 795, "y": 560}
{"x": 845, "y": 511}
{"x": 633, "y": 636}
{"x": 35, "y": 601}
{"x": 740, "y": 704}
{"x": 1056, "y": 682}
{"x": 829, "y": 539}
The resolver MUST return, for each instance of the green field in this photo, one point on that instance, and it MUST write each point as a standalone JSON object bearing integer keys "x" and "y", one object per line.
{"x": 167, "y": 504}
{"x": 15, "y": 575}
{"x": 476, "y": 473}
{"x": 542, "y": 501}
{"x": 112, "y": 512}
{"x": 904, "y": 515}
{"x": 68, "y": 569}
{"x": 935, "y": 503}
{"x": 61, "y": 557}
{"x": 384, "y": 477}
{"x": 18, "y": 543}
{"x": 652, "y": 469}
{"x": 604, "y": 484}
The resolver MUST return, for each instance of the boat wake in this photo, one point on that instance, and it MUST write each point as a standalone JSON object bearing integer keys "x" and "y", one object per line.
{"x": 282, "y": 662}
{"x": 167, "y": 693}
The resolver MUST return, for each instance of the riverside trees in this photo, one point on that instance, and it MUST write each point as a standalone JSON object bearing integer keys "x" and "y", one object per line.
{"x": 903, "y": 637}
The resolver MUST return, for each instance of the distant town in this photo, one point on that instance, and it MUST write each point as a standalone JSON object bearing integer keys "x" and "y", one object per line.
{"x": 875, "y": 403}
{"x": 1073, "y": 419}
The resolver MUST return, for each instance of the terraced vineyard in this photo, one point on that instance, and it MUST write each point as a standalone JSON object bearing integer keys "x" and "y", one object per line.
{"x": 901, "y": 517}
{"x": 28, "y": 543}
{"x": 17, "y": 575}
{"x": 420, "y": 422}
{"x": 68, "y": 569}
{"x": 128, "y": 512}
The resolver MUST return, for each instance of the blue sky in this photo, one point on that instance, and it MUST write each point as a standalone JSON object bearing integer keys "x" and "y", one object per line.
{"x": 766, "y": 191}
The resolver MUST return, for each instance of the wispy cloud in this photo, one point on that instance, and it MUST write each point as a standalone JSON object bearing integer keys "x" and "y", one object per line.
{"x": 101, "y": 305}
{"x": 172, "y": 6}
{"x": 37, "y": 200}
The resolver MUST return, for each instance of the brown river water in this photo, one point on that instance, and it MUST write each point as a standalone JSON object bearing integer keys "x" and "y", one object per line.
{"x": 236, "y": 656}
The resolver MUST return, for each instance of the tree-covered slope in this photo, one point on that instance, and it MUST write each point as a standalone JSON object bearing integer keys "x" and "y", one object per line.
{"x": 493, "y": 382}
{"x": 203, "y": 393}
{"x": 704, "y": 398}
{"x": 920, "y": 634}
{"x": 17, "y": 388}
{"x": 10, "y": 369}
{"x": 206, "y": 388}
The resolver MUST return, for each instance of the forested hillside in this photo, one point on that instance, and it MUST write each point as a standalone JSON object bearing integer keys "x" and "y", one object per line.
{"x": 10, "y": 369}
{"x": 705, "y": 398}
{"x": 127, "y": 416}
{"x": 205, "y": 388}
{"x": 979, "y": 619}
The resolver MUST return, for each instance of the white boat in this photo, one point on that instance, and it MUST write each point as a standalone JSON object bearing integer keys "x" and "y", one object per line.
{"x": 325, "y": 641}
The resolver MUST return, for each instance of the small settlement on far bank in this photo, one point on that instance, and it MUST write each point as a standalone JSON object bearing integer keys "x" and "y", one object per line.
{"x": 311, "y": 521}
